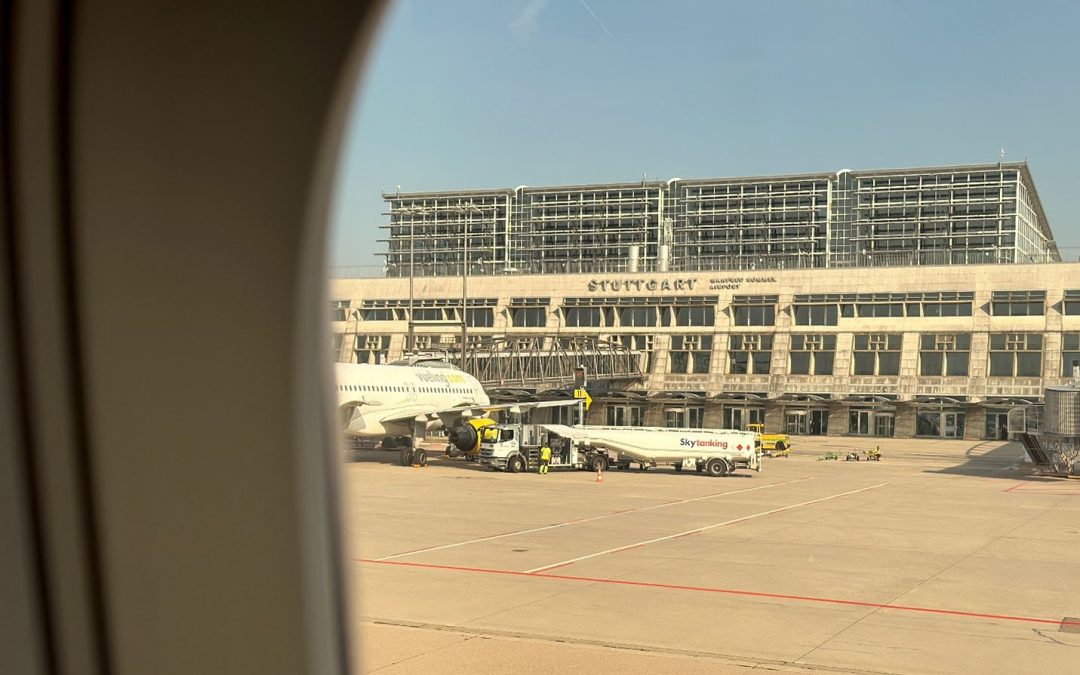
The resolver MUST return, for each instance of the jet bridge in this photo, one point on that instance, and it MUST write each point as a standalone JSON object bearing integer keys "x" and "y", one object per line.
{"x": 550, "y": 362}
{"x": 1050, "y": 432}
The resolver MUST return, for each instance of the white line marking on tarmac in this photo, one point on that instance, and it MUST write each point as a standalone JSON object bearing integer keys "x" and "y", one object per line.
{"x": 590, "y": 519}
{"x": 701, "y": 529}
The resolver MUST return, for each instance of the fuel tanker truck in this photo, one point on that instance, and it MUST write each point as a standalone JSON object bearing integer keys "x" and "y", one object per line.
{"x": 716, "y": 452}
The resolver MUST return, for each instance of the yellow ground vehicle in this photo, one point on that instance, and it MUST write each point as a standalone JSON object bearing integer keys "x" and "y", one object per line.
{"x": 773, "y": 445}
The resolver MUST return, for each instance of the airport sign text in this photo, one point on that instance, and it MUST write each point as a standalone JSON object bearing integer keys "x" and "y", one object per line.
{"x": 638, "y": 285}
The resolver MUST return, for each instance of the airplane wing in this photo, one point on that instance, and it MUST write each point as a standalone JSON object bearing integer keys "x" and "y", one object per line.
{"x": 451, "y": 415}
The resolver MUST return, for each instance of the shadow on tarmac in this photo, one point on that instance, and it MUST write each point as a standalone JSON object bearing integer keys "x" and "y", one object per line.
{"x": 435, "y": 454}
{"x": 436, "y": 457}
{"x": 991, "y": 459}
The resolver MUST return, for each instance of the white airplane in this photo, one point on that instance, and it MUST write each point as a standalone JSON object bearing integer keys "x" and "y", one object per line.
{"x": 398, "y": 403}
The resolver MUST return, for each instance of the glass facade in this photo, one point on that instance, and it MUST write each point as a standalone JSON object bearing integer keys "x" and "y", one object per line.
{"x": 982, "y": 214}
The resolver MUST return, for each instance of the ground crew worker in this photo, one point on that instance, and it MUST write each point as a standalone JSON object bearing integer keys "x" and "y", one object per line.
{"x": 545, "y": 457}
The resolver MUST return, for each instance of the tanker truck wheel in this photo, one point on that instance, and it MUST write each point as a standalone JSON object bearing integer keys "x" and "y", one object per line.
{"x": 717, "y": 467}
{"x": 598, "y": 463}
{"x": 515, "y": 465}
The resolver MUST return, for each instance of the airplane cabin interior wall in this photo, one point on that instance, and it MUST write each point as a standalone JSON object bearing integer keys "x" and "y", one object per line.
{"x": 166, "y": 450}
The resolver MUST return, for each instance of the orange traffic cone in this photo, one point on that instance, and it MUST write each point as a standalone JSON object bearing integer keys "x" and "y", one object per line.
{"x": 599, "y": 476}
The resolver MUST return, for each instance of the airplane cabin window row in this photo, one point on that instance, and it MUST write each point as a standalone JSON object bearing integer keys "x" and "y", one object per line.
{"x": 425, "y": 390}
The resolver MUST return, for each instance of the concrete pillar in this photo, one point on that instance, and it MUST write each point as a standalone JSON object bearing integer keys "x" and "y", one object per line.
{"x": 838, "y": 422}
{"x": 974, "y": 422}
{"x": 714, "y": 416}
{"x": 774, "y": 418}
{"x": 654, "y": 413}
{"x": 905, "y": 421}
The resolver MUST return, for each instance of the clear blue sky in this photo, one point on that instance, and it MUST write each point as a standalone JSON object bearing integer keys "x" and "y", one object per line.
{"x": 500, "y": 93}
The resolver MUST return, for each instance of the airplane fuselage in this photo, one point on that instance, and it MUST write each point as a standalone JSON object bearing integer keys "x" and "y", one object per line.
{"x": 378, "y": 401}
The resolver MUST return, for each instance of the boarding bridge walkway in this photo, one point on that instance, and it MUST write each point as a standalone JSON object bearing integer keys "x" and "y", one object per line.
{"x": 551, "y": 361}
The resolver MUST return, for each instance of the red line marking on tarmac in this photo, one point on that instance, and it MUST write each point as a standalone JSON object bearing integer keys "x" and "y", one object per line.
{"x": 1043, "y": 488}
{"x": 722, "y": 591}
{"x": 577, "y": 521}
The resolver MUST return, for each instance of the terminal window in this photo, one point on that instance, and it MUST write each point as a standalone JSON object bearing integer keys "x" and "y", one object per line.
{"x": 339, "y": 310}
{"x": 430, "y": 341}
{"x": 528, "y": 317}
{"x": 895, "y": 305}
{"x": 371, "y": 349}
{"x": 755, "y": 315}
{"x": 685, "y": 417}
{"x": 480, "y": 317}
{"x": 1071, "y": 306}
{"x": 877, "y": 354}
{"x": 879, "y": 309}
{"x": 695, "y": 316}
{"x": 816, "y": 315}
{"x": 379, "y": 315}
{"x": 1018, "y": 303}
{"x": 642, "y": 344}
{"x": 1070, "y": 354}
{"x": 943, "y": 304}
{"x": 637, "y": 316}
{"x": 750, "y": 354}
{"x": 812, "y": 354}
{"x": 1016, "y": 355}
{"x": 589, "y": 317}
{"x": 944, "y": 355}
{"x": 691, "y": 354}
{"x": 434, "y": 314}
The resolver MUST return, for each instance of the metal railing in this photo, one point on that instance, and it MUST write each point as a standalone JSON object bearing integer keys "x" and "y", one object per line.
{"x": 931, "y": 258}
{"x": 548, "y": 361}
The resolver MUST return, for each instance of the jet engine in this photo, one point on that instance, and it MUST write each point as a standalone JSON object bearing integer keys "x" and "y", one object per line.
{"x": 466, "y": 436}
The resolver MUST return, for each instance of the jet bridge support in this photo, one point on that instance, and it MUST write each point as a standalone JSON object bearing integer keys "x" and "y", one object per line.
{"x": 1050, "y": 432}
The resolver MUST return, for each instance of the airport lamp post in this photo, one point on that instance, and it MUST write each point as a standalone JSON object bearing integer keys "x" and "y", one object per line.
{"x": 468, "y": 209}
{"x": 412, "y": 212}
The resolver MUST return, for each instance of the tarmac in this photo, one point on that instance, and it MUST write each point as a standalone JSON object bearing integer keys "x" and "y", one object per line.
{"x": 944, "y": 557}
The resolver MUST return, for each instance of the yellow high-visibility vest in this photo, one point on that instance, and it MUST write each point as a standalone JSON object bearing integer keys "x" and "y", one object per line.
{"x": 545, "y": 453}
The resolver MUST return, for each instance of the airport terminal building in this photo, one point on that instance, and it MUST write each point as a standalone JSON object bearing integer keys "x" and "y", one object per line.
{"x": 909, "y": 303}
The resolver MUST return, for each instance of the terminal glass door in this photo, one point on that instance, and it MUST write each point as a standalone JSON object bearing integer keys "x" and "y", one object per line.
{"x": 859, "y": 422}
{"x": 954, "y": 425}
{"x": 738, "y": 418}
{"x": 940, "y": 424}
{"x": 796, "y": 423}
{"x": 807, "y": 422}
{"x": 997, "y": 427}
{"x": 883, "y": 425}
{"x": 625, "y": 415}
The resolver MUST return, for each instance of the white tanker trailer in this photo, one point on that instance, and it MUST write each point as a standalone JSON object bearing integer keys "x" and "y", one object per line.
{"x": 717, "y": 452}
